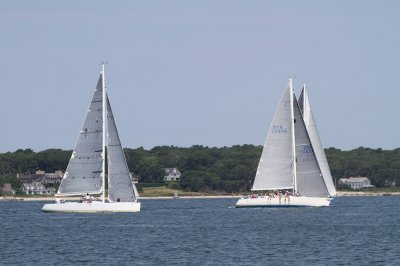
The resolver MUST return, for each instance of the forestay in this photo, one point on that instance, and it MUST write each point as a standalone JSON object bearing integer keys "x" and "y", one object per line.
{"x": 83, "y": 174}
{"x": 275, "y": 168}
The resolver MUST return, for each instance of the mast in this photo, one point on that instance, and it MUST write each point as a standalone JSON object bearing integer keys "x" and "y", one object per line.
{"x": 103, "y": 154}
{"x": 293, "y": 137}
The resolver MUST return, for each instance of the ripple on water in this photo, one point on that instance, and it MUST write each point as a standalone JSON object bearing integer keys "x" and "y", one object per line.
{"x": 355, "y": 230}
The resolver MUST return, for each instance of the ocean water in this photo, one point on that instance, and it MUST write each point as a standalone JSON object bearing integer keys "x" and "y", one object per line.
{"x": 353, "y": 231}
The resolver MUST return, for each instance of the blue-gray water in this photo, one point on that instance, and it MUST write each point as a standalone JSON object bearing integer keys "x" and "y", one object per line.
{"x": 354, "y": 231}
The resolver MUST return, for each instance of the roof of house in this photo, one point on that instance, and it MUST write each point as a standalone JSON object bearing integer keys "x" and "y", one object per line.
{"x": 32, "y": 178}
{"x": 32, "y": 184}
{"x": 169, "y": 171}
{"x": 39, "y": 177}
{"x": 355, "y": 179}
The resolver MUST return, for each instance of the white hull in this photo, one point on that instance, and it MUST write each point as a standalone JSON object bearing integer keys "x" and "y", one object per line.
{"x": 93, "y": 207}
{"x": 265, "y": 201}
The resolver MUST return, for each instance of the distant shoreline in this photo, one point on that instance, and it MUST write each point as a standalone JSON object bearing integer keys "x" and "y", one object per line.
{"x": 365, "y": 193}
{"x": 339, "y": 194}
{"x": 140, "y": 198}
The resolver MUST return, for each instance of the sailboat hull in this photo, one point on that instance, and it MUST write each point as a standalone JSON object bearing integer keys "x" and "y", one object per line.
{"x": 266, "y": 201}
{"x": 93, "y": 207}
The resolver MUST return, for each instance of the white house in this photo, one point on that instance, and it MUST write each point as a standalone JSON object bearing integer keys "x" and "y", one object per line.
{"x": 36, "y": 188}
{"x": 40, "y": 183}
{"x": 172, "y": 174}
{"x": 356, "y": 182}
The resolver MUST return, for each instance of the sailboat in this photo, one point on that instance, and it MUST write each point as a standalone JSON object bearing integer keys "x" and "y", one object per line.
{"x": 308, "y": 117}
{"x": 288, "y": 166}
{"x": 98, "y": 143}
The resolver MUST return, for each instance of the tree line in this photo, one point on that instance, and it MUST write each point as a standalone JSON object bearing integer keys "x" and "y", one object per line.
{"x": 225, "y": 169}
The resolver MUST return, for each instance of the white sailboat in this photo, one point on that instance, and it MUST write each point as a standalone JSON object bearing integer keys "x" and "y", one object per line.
{"x": 288, "y": 163}
{"x": 312, "y": 130}
{"x": 86, "y": 171}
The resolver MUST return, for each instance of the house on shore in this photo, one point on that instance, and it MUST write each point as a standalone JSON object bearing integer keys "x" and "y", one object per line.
{"x": 172, "y": 174}
{"x": 356, "y": 182}
{"x": 37, "y": 188}
{"x": 41, "y": 183}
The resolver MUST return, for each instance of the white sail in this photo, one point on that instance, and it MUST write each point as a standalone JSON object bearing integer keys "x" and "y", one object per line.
{"x": 309, "y": 180}
{"x": 311, "y": 126}
{"x": 83, "y": 174}
{"x": 120, "y": 186}
{"x": 275, "y": 168}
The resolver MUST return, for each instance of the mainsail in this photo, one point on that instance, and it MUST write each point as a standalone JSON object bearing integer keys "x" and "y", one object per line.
{"x": 311, "y": 126}
{"x": 275, "y": 168}
{"x": 83, "y": 174}
{"x": 310, "y": 182}
{"x": 120, "y": 186}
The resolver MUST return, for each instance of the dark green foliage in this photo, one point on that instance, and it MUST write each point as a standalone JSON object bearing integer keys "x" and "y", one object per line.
{"x": 376, "y": 164}
{"x": 139, "y": 188}
{"x": 203, "y": 168}
{"x": 28, "y": 161}
{"x": 226, "y": 169}
{"x": 15, "y": 184}
{"x": 173, "y": 185}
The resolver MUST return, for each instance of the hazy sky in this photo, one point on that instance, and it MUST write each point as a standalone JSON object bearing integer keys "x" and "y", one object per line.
{"x": 198, "y": 72}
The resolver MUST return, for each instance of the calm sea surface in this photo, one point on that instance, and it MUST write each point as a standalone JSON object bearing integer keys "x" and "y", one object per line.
{"x": 354, "y": 231}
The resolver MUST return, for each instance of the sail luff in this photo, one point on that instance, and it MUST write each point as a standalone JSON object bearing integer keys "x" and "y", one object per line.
{"x": 293, "y": 137}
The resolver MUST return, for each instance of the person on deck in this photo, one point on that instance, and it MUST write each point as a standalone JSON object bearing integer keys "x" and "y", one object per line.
{"x": 87, "y": 199}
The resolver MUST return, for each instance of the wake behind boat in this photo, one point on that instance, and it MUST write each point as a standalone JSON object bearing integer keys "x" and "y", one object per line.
{"x": 288, "y": 165}
{"x": 98, "y": 144}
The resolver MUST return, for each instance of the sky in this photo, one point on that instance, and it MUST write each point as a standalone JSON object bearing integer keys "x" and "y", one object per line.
{"x": 205, "y": 72}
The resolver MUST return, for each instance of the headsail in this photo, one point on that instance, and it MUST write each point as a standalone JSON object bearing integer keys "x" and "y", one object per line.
{"x": 311, "y": 126}
{"x": 83, "y": 174}
{"x": 275, "y": 167}
{"x": 310, "y": 182}
{"x": 120, "y": 186}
